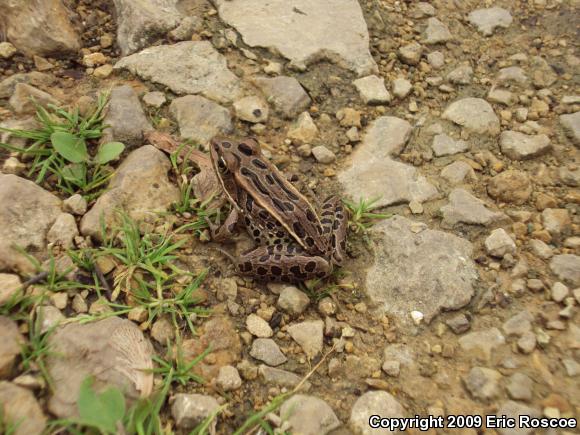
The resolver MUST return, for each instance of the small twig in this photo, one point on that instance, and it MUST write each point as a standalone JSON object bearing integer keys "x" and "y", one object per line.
{"x": 34, "y": 280}
{"x": 311, "y": 372}
{"x": 101, "y": 277}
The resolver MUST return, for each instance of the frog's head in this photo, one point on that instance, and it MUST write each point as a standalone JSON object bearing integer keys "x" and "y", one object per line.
{"x": 227, "y": 156}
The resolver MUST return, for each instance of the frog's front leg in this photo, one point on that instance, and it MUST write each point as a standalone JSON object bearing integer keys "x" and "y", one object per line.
{"x": 220, "y": 233}
{"x": 282, "y": 263}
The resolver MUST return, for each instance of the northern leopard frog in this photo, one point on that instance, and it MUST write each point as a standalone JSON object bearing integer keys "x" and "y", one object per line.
{"x": 294, "y": 243}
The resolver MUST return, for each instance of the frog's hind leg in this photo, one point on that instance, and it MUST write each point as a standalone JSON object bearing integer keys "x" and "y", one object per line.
{"x": 282, "y": 263}
{"x": 334, "y": 220}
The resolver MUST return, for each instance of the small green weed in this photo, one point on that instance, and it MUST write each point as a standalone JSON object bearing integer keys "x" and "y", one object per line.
{"x": 258, "y": 418}
{"x": 148, "y": 253}
{"x": 176, "y": 366}
{"x": 361, "y": 215}
{"x": 59, "y": 149}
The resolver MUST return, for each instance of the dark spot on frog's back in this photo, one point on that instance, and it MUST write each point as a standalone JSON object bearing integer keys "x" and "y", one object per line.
{"x": 310, "y": 266}
{"x": 259, "y": 164}
{"x": 276, "y": 270}
{"x": 244, "y": 148}
{"x": 298, "y": 229}
{"x": 226, "y": 144}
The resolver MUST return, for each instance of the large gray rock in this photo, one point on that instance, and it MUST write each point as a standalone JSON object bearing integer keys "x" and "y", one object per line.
{"x": 304, "y": 31}
{"x": 372, "y": 173}
{"x": 113, "y": 351}
{"x": 140, "y": 22}
{"x": 444, "y": 145}
{"x": 39, "y": 27}
{"x": 21, "y": 408}
{"x": 520, "y": 146}
{"x": 487, "y": 20}
{"x": 567, "y": 268}
{"x": 140, "y": 188}
{"x": 200, "y": 119}
{"x": 465, "y": 208}
{"x": 266, "y": 350}
{"x": 475, "y": 114}
{"x": 125, "y": 118}
{"x": 571, "y": 125}
{"x": 285, "y": 93}
{"x": 27, "y": 213}
{"x": 189, "y": 67}
{"x": 309, "y": 415}
{"x": 374, "y": 403}
{"x": 418, "y": 269}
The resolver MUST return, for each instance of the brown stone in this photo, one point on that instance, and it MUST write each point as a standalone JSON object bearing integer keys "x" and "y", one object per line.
{"x": 544, "y": 201}
{"x": 510, "y": 186}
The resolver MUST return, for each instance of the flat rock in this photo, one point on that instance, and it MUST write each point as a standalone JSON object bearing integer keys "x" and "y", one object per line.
{"x": 556, "y": 221}
{"x": 567, "y": 268}
{"x": 487, "y": 20}
{"x": 40, "y": 27}
{"x": 499, "y": 243}
{"x": 33, "y": 78}
{"x": 436, "y": 32}
{"x": 374, "y": 403}
{"x": 228, "y": 378}
{"x": 251, "y": 109}
{"x": 141, "y": 22}
{"x": 79, "y": 351}
{"x": 401, "y": 87}
{"x": 25, "y": 96}
{"x": 520, "y": 146}
{"x": 571, "y": 125}
{"x": 10, "y": 287}
{"x": 285, "y": 93}
{"x": 200, "y": 119}
{"x": 190, "y": 410}
{"x": 465, "y": 208}
{"x": 281, "y": 378}
{"x": 462, "y": 75}
{"x": 21, "y": 408}
{"x": 444, "y": 145}
{"x": 364, "y": 177}
{"x": 63, "y": 231}
{"x": 292, "y": 300}
{"x": 520, "y": 387}
{"x": 309, "y": 415}
{"x": 518, "y": 324}
{"x": 258, "y": 326}
{"x": 458, "y": 172}
{"x": 266, "y": 350}
{"x": 304, "y": 31}
{"x": 481, "y": 344}
{"x": 125, "y": 118}
{"x": 303, "y": 130}
{"x": 483, "y": 383}
{"x": 513, "y": 410}
{"x": 26, "y": 223}
{"x": 189, "y": 67}
{"x": 475, "y": 114}
{"x": 372, "y": 90}
{"x": 411, "y": 53}
{"x": 11, "y": 342}
{"x": 410, "y": 268}
{"x": 308, "y": 335}
{"x": 512, "y": 75}
{"x": 140, "y": 187}
{"x": 511, "y": 186}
